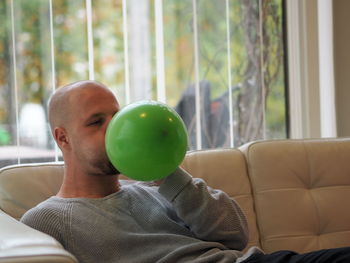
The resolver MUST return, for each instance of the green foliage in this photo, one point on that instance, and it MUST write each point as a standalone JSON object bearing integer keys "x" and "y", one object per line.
{"x": 5, "y": 137}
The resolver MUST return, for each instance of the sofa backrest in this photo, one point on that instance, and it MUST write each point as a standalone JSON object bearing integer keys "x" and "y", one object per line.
{"x": 24, "y": 186}
{"x": 301, "y": 192}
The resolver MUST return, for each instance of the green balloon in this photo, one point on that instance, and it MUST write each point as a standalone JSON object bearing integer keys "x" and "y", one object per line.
{"x": 146, "y": 140}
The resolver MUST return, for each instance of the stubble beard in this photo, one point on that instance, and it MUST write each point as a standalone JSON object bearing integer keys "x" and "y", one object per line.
{"x": 103, "y": 167}
{"x": 110, "y": 169}
{"x": 97, "y": 164}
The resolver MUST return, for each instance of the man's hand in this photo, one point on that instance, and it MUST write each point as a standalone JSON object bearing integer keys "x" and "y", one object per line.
{"x": 158, "y": 182}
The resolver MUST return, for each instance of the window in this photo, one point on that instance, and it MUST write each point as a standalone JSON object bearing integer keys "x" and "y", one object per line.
{"x": 220, "y": 64}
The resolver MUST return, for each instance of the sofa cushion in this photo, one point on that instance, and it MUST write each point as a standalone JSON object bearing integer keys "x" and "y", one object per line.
{"x": 225, "y": 169}
{"x": 24, "y": 186}
{"x": 301, "y": 192}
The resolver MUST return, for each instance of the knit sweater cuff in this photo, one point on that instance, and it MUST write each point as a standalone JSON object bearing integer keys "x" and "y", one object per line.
{"x": 174, "y": 184}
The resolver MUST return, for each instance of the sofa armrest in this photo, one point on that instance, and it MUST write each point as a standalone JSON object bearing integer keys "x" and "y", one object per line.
{"x": 20, "y": 243}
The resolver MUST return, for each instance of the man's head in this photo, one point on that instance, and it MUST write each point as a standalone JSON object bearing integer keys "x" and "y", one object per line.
{"x": 79, "y": 114}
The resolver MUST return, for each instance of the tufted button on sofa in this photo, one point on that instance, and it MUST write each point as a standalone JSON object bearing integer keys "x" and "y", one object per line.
{"x": 295, "y": 194}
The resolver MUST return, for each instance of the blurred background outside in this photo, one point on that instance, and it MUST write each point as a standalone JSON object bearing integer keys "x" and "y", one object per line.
{"x": 220, "y": 64}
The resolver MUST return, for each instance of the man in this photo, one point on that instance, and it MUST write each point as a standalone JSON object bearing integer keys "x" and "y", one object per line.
{"x": 101, "y": 219}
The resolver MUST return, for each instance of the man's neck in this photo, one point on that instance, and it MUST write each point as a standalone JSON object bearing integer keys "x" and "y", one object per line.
{"x": 88, "y": 186}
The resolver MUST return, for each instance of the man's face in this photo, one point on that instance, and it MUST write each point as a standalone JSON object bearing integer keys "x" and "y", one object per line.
{"x": 92, "y": 109}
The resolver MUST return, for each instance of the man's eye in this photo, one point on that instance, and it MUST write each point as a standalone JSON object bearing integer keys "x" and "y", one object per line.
{"x": 96, "y": 122}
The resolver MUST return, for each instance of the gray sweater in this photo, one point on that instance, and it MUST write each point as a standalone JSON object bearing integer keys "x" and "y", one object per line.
{"x": 181, "y": 221}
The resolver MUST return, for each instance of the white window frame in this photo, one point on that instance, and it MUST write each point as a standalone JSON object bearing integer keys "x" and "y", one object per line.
{"x": 306, "y": 96}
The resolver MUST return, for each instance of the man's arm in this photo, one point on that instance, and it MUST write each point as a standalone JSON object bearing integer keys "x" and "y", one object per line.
{"x": 210, "y": 214}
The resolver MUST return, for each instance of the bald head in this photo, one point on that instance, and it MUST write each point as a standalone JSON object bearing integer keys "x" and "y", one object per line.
{"x": 60, "y": 103}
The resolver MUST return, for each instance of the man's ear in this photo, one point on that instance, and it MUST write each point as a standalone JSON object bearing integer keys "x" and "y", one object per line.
{"x": 61, "y": 137}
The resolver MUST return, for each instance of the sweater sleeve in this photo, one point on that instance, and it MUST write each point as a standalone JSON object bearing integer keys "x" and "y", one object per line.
{"x": 209, "y": 213}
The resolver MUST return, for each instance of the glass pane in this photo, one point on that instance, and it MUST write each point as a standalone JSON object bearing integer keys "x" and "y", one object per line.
{"x": 27, "y": 137}
{"x": 274, "y": 70}
{"x": 179, "y": 62}
{"x": 33, "y": 80}
{"x": 249, "y": 102}
{"x": 258, "y": 71}
{"x": 213, "y": 73}
{"x": 70, "y": 36}
{"x": 8, "y": 127}
{"x": 254, "y": 106}
{"x": 109, "y": 46}
{"x": 140, "y": 63}
{"x": 257, "y": 66}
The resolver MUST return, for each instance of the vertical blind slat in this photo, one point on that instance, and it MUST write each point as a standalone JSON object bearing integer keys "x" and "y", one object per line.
{"x": 229, "y": 75}
{"x": 90, "y": 40}
{"x": 126, "y": 52}
{"x": 196, "y": 77}
{"x": 52, "y": 56}
{"x": 326, "y": 69}
{"x": 262, "y": 68}
{"x": 13, "y": 34}
{"x": 161, "y": 94}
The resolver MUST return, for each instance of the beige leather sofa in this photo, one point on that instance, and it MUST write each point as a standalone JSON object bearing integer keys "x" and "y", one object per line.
{"x": 295, "y": 193}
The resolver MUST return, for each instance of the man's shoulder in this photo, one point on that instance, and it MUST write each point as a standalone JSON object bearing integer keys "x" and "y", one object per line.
{"x": 49, "y": 217}
{"x": 50, "y": 208}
